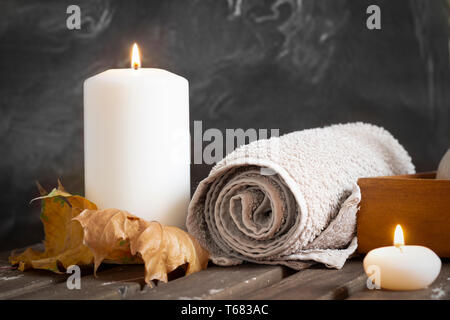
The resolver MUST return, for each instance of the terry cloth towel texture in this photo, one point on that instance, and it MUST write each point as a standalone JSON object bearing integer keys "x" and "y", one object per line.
{"x": 292, "y": 200}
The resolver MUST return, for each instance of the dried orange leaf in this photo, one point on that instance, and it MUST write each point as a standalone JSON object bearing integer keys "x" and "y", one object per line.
{"x": 113, "y": 233}
{"x": 107, "y": 232}
{"x": 63, "y": 236}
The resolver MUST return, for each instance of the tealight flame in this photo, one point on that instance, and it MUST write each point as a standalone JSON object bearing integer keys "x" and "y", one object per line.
{"x": 398, "y": 237}
{"x": 135, "y": 58}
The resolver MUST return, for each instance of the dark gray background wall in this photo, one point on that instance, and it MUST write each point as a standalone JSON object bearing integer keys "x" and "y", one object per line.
{"x": 287, "y": 64}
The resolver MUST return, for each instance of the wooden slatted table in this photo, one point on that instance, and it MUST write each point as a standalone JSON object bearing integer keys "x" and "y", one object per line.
{"x": 244, "y": 282}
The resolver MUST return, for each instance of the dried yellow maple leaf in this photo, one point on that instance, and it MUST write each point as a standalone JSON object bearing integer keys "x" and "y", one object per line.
{"x": 116, "y": 234}
{"x": 63, "y": 236}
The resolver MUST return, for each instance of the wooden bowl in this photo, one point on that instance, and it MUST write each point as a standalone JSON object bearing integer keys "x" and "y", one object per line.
{"x": 418, "y": 202}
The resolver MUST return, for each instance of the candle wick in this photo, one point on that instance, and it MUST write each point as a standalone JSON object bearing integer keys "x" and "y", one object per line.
{"x": 400, "y": 247}
{"x": 135, "y": 66}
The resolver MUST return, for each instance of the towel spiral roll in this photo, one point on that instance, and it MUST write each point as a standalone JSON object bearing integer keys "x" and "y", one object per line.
{"x": 293, "y": 199}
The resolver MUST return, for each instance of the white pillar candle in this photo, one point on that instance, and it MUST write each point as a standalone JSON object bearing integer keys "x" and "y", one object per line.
{"x": 136, "y": 142}
{"x": 401, "y": 267}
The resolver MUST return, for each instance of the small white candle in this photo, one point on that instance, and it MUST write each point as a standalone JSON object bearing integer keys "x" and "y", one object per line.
{"x": 402, "y": 267}
{"x": 136, "y": 142}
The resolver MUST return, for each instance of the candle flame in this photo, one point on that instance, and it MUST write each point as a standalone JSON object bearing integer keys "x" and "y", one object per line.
{"x": 398, "y": 236}
{"x": 135, "y": 58}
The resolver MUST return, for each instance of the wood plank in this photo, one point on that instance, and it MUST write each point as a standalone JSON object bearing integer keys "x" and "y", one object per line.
{"x": 317, "y": 282}
{"x": 116, "y": 283}
{"x": 217, "y": 283}
{"x": 14, "y": 282}
{"x": 438, "y": 290}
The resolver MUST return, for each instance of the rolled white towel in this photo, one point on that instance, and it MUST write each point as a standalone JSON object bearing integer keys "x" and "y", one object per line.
{"x": 292, "y": 199}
